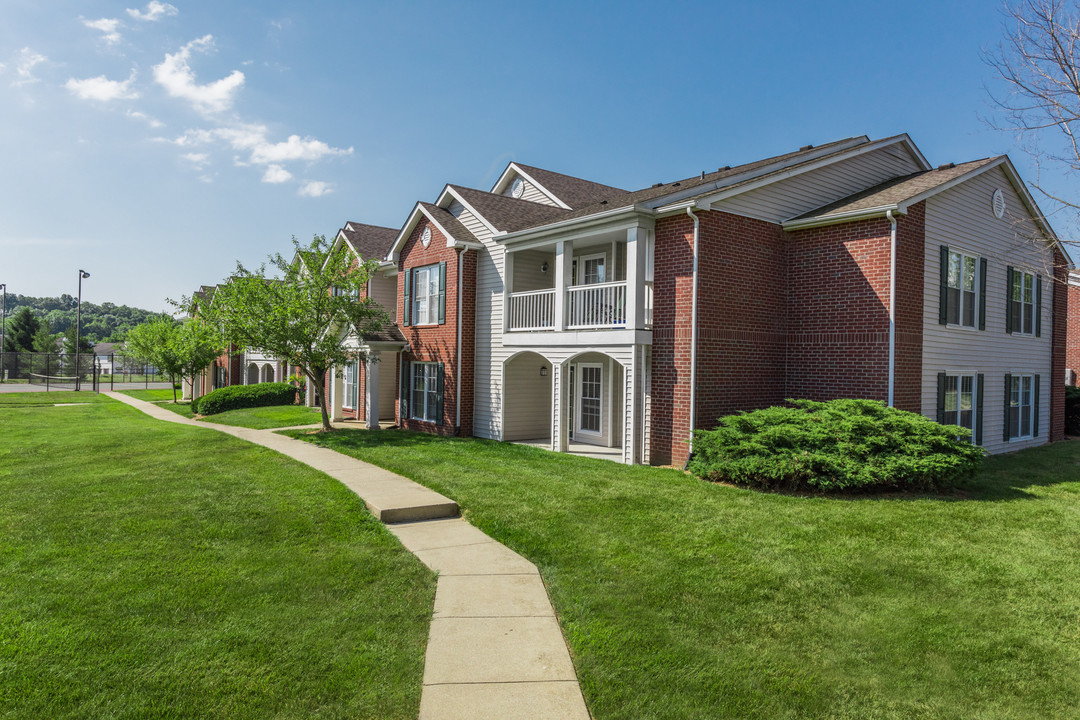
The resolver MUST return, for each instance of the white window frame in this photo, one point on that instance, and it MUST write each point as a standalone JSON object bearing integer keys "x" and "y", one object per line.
{"x": 580, "y": 381}
{"x": 351, "y": 385}
{"x": 583, "y": 261}
{"x": 961, "y": 305}
{"x": 1027, "y": 285}
{"x": 424, "y": 311}
{"x": 1017, "y": 391}
{"x": 430, "y": 389}
{"x": 958, "y": 406}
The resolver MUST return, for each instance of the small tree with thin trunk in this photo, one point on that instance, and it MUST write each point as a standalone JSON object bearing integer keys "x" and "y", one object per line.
{"x": 302, "y": 316}
{"x": 177, "y": 349}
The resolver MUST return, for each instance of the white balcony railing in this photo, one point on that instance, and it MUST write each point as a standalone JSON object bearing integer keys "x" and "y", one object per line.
{"x": 533, "y": 310}
{"x": 600, "y": 305}
{"x": 648, "y": 303}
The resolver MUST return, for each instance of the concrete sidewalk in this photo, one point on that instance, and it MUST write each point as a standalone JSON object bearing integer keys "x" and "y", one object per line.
{"x": 495, "y": 649}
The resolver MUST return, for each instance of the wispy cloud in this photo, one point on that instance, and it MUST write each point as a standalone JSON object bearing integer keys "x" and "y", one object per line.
{"x": 178, "y": 79}
{"x": 314, "y": 188}
{"x": 110, "y": 28}
{"x": 276, "y": 174}
{"x": 154, "y": 11}
{"x": 252, "y": 139}
{"x": 138, "y": 115}
{"x": 294, "y": 148}
{"x": 102, "y": 89}
{"x": 198, "y": 160}
{"x": 24, "y": 67}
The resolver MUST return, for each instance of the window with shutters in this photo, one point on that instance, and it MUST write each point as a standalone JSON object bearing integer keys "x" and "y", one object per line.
{"x": 960, "y": 402}
{"x": 351, "y": 385}
{"x": 1022, "y": 302}
{"x": 426, "y": 391}
{"x": 426, "y": 295}
{"x": 962, "y": 281}
{"x": 1021, "y": 406}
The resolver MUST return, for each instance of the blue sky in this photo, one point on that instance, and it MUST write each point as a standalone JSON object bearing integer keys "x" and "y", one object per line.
{"x": 156, "y": 144}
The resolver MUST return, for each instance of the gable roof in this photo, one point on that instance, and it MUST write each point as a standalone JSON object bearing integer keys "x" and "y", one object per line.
{"x": 568, "y": 191}
{"x": 447, "y": 223}
{"x": 505, "y": 213}
{"x": 370, "y": 242}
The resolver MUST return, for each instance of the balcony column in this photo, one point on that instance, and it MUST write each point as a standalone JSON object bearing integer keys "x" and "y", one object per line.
{"x": 636, "y": 247}
{"x": 508, "y": 288}
{"x": 371, "y": 390}
{"x": 564, "y": 264}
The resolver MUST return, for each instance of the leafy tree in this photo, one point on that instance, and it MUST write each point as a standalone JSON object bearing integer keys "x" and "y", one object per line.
{"x": 19, "y": 336}
{"x": 303, "y": 316}
{"x": 178, "y": 349}
{"x": 75, "y": 360}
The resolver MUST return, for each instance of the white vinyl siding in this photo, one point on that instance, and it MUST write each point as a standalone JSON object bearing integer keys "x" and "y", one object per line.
{"x": 530, "y": 193}
{"x": 963, "y": 216}
{"x": 528, "y": 412}
{"x": 382, "y": 289}
{"x": 785, "y": 199}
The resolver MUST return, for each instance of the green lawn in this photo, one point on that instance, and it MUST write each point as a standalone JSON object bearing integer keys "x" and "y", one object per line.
{"x": 149, "y": 570}
{"x": 155, "y": 395}
{"x": 263, "y": 418}
{"x": 682, "y": 599}
{"x": 31, "y": 399}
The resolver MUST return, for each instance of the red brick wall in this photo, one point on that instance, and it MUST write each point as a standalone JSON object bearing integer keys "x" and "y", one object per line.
{"x": 1064, "y": 297}
{"x": 438, "y": 343}
{"x": 741, "y": 324}
{"x": 1072, "y": 326}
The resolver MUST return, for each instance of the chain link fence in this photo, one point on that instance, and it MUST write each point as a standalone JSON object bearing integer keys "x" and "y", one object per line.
{"x": 86, "y": 371}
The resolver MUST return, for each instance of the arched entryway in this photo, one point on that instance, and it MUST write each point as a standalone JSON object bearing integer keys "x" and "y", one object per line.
{"x": 593, "y": 409}
{"x": 527, "y": 378}
{"x": 252, "y": 375}
{"x": 267, "y": 373}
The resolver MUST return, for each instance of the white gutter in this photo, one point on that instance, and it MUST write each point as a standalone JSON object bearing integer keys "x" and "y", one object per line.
{"x": 849, "y": 216}
{"x": 457, "y": 393}
{"x": 892, "y": 306}
{"x": 693, "y": 332}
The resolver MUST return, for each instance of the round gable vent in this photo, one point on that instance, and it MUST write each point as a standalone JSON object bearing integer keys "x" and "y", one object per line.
{"x": 425, "y": 237}
{"x": 999, "y": 204}
{"x": 518, "y": 188}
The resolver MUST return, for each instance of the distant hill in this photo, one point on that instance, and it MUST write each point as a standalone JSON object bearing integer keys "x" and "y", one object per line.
{"x": 100, "y": 323}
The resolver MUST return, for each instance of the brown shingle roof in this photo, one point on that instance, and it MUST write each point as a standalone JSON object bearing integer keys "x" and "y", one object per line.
{"x": 896, "y": 190}
{"x": 573, "y": 191}
{"x": 510, "y": 214}
{"x": 452, "y": 225}
{"x": 371, "y": 242}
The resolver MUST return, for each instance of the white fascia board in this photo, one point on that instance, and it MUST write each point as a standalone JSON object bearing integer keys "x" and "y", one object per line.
{"x": 775, "y": 173}
{"x": 915, "y": 199}
{"x": 581, "y": 222}
{"x": 573, "y": 234}
{"x": 504, "y": 181}
{"x": 399, "y": 241}
{"x": 450, "y": 192}
{"x": 451, "y": 241}
{"x": 1033, "y": 207}
{"x": 850, "y": 216}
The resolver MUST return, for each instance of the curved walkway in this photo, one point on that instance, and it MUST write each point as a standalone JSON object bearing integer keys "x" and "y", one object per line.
{"x": 495, "y": 649}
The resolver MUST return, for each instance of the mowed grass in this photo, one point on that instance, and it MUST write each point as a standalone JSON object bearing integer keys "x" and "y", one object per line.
{"x": 153, "y": 395}
{"x": 262, "y": 418}
{"x": 49, "y": 399}
{"x": 157, "y": 571}
{"x": 683, "y": 599}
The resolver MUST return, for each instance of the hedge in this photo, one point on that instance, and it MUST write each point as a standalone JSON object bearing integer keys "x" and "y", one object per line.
{"x": 244, "y": 396}
{"x": 1072, "y": 410}
{"x": 835, "y": 445}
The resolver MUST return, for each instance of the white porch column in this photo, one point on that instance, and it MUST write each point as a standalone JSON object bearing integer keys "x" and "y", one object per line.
{"x": 508, "y": 286}
{"x": 371, "y": 390}
{"x": 559, "y": 373}
{"x": 632, "y": 407}
{"x": 337, "y": 393}
{"x": 636, "y": 247}
{"x": 564, "y": 264}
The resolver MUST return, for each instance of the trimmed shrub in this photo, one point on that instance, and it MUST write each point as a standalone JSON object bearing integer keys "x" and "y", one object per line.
{"x": 835, "y": 445}
{"x": 1072, "y": 410}
{"x": 244, "y": 396}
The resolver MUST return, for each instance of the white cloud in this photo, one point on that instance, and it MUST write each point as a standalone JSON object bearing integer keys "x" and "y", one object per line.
{"x": 102, "y": 89}
{"x": 152, "y": 122}
{"x": 198, "y": 160}
{"x": 154, "y": 11}
{"x": 108, "y": 26}
{"x": 276, "y": 174}
{"x": 24, "y": 68}
{"x": 178, "y": 79}
{"x": 294, "y": 148}
{"x": 314, "y": 188}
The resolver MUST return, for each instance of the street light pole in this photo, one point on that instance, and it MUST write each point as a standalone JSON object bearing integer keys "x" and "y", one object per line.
{"x": 3, "y": 329}
{"x": 78, "y": 328}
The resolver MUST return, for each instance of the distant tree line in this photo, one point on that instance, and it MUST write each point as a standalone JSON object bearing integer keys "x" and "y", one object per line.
{"x": 106, "y": 322}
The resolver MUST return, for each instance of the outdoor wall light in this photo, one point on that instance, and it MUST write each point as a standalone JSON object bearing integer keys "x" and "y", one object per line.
{"x": 543, "y": 371}
{"x": 544, "y": 267}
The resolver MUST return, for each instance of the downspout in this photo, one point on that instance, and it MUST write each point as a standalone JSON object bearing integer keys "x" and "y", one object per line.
{"x": 892, "y": 307}
{"x": 458, "y": 383}
{"x": 693, "y": 334}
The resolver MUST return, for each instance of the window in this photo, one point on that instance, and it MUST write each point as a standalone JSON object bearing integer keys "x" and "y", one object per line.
{"x": 1021, "y": 420}
{"x": 1025, "y": 297}
{"x": 592, "y": 269}
{"x": 591, "y": 382}
{"x": 960, "y": 402}
{"x": 426, "y": 391}
{"x": 963, "y": 289}
{"x": 425, "y": 295}
{"x": 352, "y": 371}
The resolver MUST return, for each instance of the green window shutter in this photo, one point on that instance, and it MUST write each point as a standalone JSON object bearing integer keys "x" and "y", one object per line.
{"x": 1035, "y": 410}
{"x": 1008, "y": 301}
{"x": 405, "y": 386}
{"x": 406, "y": 307}
{"x": 439, "y": 396}
{"x": 979, "y": 408}
{"x": 943, "y": 304}
{"x": 941, "y": 397}
{"x": 1038, "y": 306}
{"x": 1006, "y": 432}
{"x": 442, "y": 292}
{"x": 982, "y": 294}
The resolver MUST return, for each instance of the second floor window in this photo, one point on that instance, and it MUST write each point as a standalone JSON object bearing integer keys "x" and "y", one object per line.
{"x": 961, "y": 300}
{"x": 425, "y": 295}
{"x": 1025, "y": 290}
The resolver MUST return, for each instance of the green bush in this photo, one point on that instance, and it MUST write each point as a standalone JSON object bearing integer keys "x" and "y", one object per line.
{"x": 244, "y": 396}
{"x": 836, "y": 445}
{"x": 1072, "y": 410}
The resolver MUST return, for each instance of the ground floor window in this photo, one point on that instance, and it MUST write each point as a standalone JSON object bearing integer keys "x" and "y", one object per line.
{"x": 960, "y": 401}
{"x": 352, "y": 371}
{"x": 589, "y": 398}
{"x": 1022, "y": 400}
{"x": 426, "y": 395}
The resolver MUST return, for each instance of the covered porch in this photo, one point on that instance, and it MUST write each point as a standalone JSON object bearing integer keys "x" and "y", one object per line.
{"x": 366, "y": 389}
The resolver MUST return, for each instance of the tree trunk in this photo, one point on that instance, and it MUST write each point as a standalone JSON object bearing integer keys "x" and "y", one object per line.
{"x": 318, "y": 386}
{"x": 172, "y": 381}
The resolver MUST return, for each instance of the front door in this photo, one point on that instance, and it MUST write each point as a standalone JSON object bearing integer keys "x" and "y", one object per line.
{"x": 589, "y": 419}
